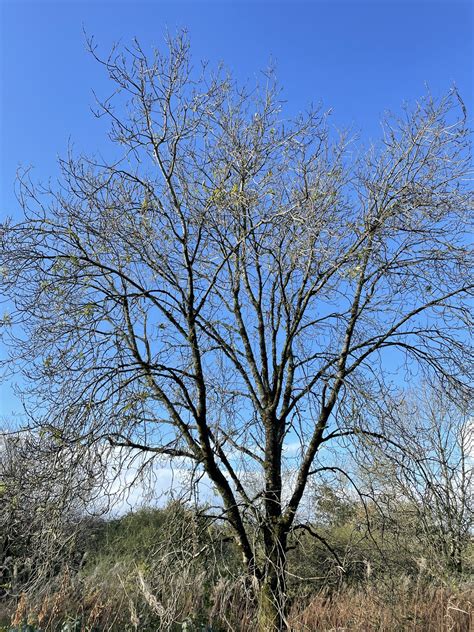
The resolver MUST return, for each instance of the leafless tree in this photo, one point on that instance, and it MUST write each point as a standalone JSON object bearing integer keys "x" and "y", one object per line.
{"x": 427, "y": 472}
{"x": 227, "y": 284}
{"x": 45, "y": 490}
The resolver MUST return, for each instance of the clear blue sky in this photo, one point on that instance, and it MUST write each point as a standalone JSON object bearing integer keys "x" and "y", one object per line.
{"x": 358, "y": 57}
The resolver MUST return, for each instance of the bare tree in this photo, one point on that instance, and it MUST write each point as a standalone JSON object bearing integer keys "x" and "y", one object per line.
{"x": 228, "y": 284}
{"x": 427, "y": 472}
{"x": 45, "y": 490}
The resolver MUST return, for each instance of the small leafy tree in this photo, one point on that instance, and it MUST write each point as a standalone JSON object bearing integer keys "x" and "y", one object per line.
{"x": 230, "y": 284}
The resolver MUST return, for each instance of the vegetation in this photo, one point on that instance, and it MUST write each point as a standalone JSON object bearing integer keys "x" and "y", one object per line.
{"x": 155, "y": 569}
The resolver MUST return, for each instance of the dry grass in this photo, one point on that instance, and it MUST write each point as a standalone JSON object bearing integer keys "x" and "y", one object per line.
{"x": 112, "y": 604}
{"x": 409, "y": 608}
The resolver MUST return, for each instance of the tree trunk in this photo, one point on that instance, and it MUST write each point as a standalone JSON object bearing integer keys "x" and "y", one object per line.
{"x": 271, "y": 605}
{"x": 272, "y": 599}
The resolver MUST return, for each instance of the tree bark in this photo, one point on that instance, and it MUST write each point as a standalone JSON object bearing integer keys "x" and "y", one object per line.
{"x": 270, "y": 616}
{"x": 272, "y": 599}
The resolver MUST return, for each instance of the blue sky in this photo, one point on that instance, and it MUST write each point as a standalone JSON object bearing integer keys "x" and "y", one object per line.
{"x": 358, "y": 58}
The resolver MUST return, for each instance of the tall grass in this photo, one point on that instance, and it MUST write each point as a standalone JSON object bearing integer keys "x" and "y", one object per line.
{"x": 408, "y": 609}
{"x": 407, "y": 606}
